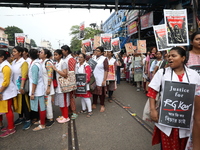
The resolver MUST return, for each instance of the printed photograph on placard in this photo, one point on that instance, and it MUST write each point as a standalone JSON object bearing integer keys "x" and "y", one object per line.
{"x": 176, "y": 27}
{"x": 20, "y": 39}
{"x": 96, "y": 42}
{"x": 161, "y": 37}
{"x": 141, "y": 46}
{"x": 106, "y": 41}
{"x": 130, "y": 48}
{"x": 115, "y": 45}
{"x": 87, "y": 46}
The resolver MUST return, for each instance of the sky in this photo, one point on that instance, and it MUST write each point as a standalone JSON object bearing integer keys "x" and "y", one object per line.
{"x": 50, "y": 24}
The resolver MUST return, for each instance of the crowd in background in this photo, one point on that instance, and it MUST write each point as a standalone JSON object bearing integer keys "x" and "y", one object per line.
{"x": 30, "y": 85}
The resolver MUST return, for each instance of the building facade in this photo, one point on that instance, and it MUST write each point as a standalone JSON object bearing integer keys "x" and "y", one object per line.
{"x": 3, "y": 39}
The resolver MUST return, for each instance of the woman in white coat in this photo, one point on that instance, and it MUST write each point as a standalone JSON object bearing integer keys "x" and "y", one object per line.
{"x": 36, "y": 89}
{"x": 170, "y": 138}
{"x": 7, "y": 92}
{"x": 47, "y": 71}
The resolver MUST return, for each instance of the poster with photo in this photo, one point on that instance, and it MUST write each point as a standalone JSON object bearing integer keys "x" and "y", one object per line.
{"x": 141, "y": 46}
{"x": 115, "y": 45}
{"x": 81, "y": 83}
{"x": 176, "y": 27}
{"x": 106, "y": 41}
{"x": 177, "y": 104}
{"x": 20, "y": 39}
{"x": 130, "y": 48}
{"x": 87, "y": 46}
{"x": 96, "y": 42}
{"x": 81, "y": 31}
{"x": 111, "y": 73}
{"x": 161, "y": 37}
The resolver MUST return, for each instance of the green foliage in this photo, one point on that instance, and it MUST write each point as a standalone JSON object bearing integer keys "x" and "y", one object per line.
{"x": 75, "y": 42}
{"x": 33, "y": 43}
{"x": 10, "y": 31}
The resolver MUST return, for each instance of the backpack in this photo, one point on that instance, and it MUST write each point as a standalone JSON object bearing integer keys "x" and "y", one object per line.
{"x": 55, "y": 83}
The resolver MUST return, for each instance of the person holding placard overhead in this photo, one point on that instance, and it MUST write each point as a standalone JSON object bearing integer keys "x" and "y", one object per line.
{"x": 83, "y": 68}
{"x": 177, "y": 74}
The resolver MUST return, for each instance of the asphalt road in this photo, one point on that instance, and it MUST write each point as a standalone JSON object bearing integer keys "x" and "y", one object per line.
{"x": 118, "y": 128}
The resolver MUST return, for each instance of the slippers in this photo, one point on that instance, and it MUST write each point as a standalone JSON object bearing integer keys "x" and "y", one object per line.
{"x": 74, "y": 116}
{"x": 89, "y": 114}
{"x": 37, "y": 122}
{"x": 38, "y": 128}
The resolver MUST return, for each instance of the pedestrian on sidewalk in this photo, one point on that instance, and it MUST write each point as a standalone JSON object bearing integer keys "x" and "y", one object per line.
{"x": 170, "y": 137}
{"x": 47, "y": 71}
{"x": 7, "y": 92}
{"x": 20, "y": 75}
{"x": 61, "y": 99}
{"x": 100, "y": 74}
{"x": 83, "y": 67}
{"x": 36, "y": 88}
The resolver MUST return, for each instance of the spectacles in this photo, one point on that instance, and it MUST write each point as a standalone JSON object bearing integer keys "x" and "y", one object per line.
{"x": 97, "y": 50}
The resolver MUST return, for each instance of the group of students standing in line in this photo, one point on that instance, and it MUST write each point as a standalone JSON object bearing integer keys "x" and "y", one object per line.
{"x": 28, "y": 86}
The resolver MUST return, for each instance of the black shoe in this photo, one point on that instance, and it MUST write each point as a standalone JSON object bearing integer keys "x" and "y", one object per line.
{"x": 49, "y": 124}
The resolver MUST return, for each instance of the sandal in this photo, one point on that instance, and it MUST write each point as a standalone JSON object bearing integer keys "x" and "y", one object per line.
{"x": 74, "y": 116}
{"x": 82, "y": 112}
{"x": 37, "y": 122}
{"x": 38, "y": 128}
{"x": 89, "y": 114}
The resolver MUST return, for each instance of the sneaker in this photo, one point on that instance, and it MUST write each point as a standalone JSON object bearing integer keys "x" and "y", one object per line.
{"x": 27, "y": 125}
{"x": 19, "y": 121}
{"x": 4, "y": 129}
{"x": 63, "y": 120}
{"x": 50, "y": 123}
{"x": 8, "y": 132}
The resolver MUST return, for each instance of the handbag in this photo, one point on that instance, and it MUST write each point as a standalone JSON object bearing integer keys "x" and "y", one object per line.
{"x": 68, "y": 84}
{"x": 92, "y": 83}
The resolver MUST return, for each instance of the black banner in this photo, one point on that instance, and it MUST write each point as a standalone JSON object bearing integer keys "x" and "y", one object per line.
{"x": 177, "y": 104}
{"x": 196, "y": 68}
{"x": 92, "y": 63}
{"x": 81, "y": 83}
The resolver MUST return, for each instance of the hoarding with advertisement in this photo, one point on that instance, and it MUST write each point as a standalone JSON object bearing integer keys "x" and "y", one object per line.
{"x": 132, "y": 28}
{"x": 146, "y": 21}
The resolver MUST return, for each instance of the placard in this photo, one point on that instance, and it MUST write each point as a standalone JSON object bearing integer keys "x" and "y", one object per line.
{"x": 106, "y": 41}
{"x": 130, "y": 48}
{"x": 81, "y": 31}
{"x": 176, "y": 27}
{"x": 141, "y": 45}
{"x": 115, "y": 45}
{"x": 81, "y": 83}
{"x": 195, "y": 67}
{"x": 177, "y": 104}
{"x": 96, "y": 42}
{"x": 87, "y": 46}
{"x": 92, "y": 63}
{"x": 111, "y": 73}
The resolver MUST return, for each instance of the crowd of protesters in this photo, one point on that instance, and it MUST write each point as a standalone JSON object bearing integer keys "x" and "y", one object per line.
{"x": 30, "y": 86}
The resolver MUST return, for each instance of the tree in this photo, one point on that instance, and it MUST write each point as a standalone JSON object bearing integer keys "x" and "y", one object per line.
{"x": 10, "y": 31}
{"x": 89, "y": 33}
{"x": 33, "y": 43}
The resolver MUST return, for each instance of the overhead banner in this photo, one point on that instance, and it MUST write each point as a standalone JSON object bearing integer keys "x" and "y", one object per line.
{"x": 132, "y": 15}
{"x": 146, "y": 21}
{"x": 115, "y": 45}
{"x": 176, "y": 27}
{"x": 177, "y": 104}
{"x": 106, "y": 41}
{"x": 130, "y": 48}
{"x": 81, "y": 83}
{"x": 132, "y": 28}
{"x": 20, "y": 39}
{"x": 81, "y": 31}
{"x": 161, "y": 37}
{"x": 96, "y": 42}
{"x": 87, "y": 46}
{"x": 141, "y": 46}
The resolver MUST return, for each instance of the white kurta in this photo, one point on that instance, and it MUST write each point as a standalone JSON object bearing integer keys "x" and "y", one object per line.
{"x": 10, "y": 91}
{"x": 45, "y": 78}
{"x": 99, "y": 70}
{"x": 159, "y": 79}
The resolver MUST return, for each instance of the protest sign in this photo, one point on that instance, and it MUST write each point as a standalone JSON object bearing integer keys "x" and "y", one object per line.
{"x": 115, "y": 45}
{"x": 195, "y": 67}
{"x": 20, "y": 39}
{"x": 111, "y": 73}
{"x": 81, "y": 31}
{"x": 141, "y": 46}
{"x": 81, "y": 83}
{"x": 130, "y": 48}
{"x": 96, "y": 42}
{"x": 146, "y": 20}
{"x": 176, "y": 27}
{"x": 177, "y": 104}
{"x": 87, "y": 46}
{"x": 161, "y": 37}
{"x": 92, "y": 63}
{"x": 106, "y": 41}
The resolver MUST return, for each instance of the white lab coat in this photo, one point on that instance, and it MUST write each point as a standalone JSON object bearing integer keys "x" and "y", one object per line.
{"x": 159, "y": 78}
